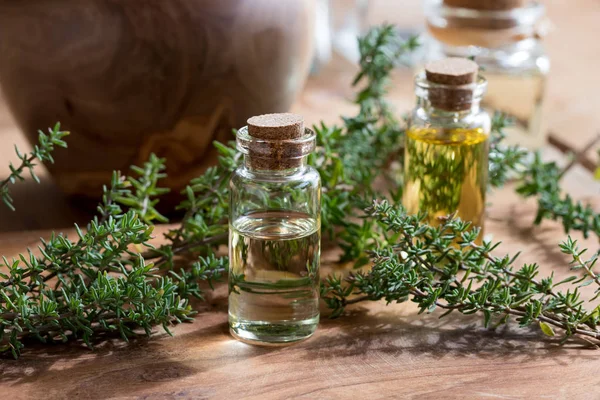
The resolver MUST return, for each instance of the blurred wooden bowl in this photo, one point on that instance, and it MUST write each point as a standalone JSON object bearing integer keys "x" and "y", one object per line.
{"x": 129, "y": 78}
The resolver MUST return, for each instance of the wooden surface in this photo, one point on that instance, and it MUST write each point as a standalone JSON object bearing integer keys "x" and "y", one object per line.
{"x": 374, "y": 352}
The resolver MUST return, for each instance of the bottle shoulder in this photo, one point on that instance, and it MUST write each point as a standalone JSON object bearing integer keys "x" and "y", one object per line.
{"x": 251, "y": 192}
{"x": 306, "y": 176}
{"x": 480, "y": 119}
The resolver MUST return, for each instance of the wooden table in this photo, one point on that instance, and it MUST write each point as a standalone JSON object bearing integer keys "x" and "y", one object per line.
{"x": 374, "y": 351}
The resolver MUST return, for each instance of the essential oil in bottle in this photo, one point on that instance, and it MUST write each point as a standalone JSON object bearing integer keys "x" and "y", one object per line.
{"x": 274, "y": 233}
{"x": 447, "y": 144}
{"x": 505, "y": 39}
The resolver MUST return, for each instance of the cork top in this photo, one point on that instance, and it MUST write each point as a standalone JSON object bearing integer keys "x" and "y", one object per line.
{"x": 452, "y": 71}
{"x": 281, "y": 126}
{"x": 275, "y": 142}
{"x": 488, "y": 5}
{"x": 452, "y": 83}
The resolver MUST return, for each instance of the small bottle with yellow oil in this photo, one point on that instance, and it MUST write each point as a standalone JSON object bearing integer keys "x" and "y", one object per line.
{"x": 447, "y": 143}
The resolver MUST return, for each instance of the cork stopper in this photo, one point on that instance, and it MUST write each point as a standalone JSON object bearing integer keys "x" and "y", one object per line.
{"x": 276, "y": 126}
{"x": 276, "y": 141}
{"x": 452, "y": 71}
{"x": 454, "y": 74}
{"x": 488, "y": 5}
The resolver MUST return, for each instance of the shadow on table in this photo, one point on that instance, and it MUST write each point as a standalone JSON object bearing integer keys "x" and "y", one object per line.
{"x": 363, "y": 331}
{"x": 112, "y": 368}
{"x": 115, "y": 367}
{"x": 520, "y": 223}
{"x": 118, "y": 368}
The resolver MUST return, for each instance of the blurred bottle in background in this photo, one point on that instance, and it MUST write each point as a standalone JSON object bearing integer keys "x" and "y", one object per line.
{"x": 338, "y": 24}
{"x": 504, "y": 38}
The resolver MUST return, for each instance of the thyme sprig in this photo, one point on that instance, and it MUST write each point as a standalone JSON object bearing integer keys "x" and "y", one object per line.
{"x": 504, "y": 160}
{"x": 571, "y": 248}
{"x": 351, "y": 158}
{"x": 41, "y": 153}
{"x": 67, "y": 292}
{"x": 443, "y": 267}
{"x": 100, "y": 282}
{"x": 541, "y": 180}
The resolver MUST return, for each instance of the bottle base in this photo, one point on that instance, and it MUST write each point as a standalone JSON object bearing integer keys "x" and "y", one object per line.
{"x": 273, "y": 334}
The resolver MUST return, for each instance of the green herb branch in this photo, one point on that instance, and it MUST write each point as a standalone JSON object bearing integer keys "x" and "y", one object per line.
{"x": 542, "y": 180}
{"x": 42, "y": 152}
{"x": 443, "y": 267}
{"x": 99, "y": 282}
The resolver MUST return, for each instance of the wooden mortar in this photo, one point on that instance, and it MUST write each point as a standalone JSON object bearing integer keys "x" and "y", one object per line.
{"x": 129, "y": 78}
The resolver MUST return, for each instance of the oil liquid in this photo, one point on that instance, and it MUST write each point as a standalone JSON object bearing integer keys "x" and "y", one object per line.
{"x": 274, "y": 276}
{"x": 520, "y": 96}
{"x": 445, "y": 172}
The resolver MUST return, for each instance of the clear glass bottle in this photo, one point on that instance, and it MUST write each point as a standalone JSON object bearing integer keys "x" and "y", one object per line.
{"x": 506, "y": 44}
{"x": 447, "y": 146}
{"x": 274, "y": 235}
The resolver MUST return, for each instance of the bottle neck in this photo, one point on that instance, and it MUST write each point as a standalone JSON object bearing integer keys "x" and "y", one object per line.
{"x": 448, "y": 101}
{"x": 275, "y": 157}
{"x": 261, "y": 166}
{"x": 426, "y": 107}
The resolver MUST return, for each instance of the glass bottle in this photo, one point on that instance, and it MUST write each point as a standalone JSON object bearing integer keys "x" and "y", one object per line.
{"x": 447, "y": 144}
{"x": 503, "y": 36}
{"x": 274, "y": 233}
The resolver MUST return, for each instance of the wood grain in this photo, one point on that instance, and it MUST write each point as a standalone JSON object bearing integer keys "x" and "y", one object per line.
{"x": 373, "y": 352}
{"x": 132, "y": 78}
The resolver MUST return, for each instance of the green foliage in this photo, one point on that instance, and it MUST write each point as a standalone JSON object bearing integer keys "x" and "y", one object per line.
{"x": 542, "y": 180}
{"x": 539, "y": 179}
{"x": 504, "y": 160}
{"x": 144, "y": 198}
{"x": 109, "y": 279}
{"x": 206, "y": 205}
{"x": 352, "y": 158}
{"x": 42, "y": 152}
{"x": 442, "y": 267}
{"x": 588, "y": 277}
{"x": 67, "y": 292}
